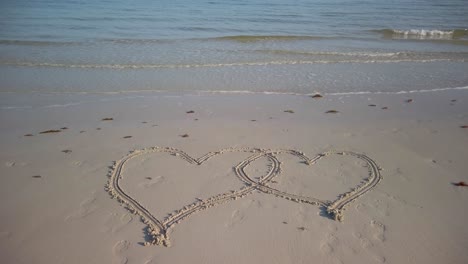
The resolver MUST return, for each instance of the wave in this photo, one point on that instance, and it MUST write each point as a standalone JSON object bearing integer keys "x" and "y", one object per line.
{"x": 37, "y": 42}
{"x": 423, "y": 34}
{"x": 420, "y": 34}
{"x": 218, "y": 65}
{"x": 258, "y": 38}
{"x": 331, "y": 53}
{"x": 239, "y": 39}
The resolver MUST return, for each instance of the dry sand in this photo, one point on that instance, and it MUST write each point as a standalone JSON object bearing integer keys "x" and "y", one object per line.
{"x": 216, "y": 178}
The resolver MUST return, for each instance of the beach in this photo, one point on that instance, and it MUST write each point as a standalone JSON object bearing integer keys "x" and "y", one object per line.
{"x": 323, "y": 131}
{"x": 56, "y": 207}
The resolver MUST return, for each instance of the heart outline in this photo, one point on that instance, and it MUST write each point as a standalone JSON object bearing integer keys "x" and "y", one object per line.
{"x": 158, "y": 230}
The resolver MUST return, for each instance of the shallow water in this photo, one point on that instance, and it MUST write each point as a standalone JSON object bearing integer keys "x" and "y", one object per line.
{"x": 260, "y": 46}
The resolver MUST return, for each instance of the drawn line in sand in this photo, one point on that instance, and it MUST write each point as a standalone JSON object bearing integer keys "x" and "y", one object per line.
{"x": 158, "y": 230}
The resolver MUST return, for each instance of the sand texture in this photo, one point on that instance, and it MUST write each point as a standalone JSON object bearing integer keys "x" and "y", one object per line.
{"x": 226, "y": 178}
{"x": 157, "y": 229}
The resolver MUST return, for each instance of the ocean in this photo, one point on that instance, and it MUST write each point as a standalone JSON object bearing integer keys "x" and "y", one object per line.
{"x": 256, "y": 46}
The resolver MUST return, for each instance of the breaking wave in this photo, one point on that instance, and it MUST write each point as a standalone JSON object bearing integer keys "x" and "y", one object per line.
{"x": 423, "y": 34}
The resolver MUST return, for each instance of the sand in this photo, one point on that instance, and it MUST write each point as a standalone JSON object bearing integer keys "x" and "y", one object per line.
{"x": 190, "y": 177}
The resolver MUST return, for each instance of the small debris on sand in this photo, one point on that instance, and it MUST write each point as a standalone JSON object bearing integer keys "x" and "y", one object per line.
{"x": 409, "y": 100}
{"x": 190, "y": 112}
{"x": 50, "y": 131}
{"x": 107, "y": 119}
{"x": 316, "y": 96}
{"x": 384, "y": 108}
{"x": 301, "y": 228}
{"x": 196, "y": 119}
{"x": 453, "y": 100}
{"x": 331, "y": 112}
{"x": 144, "y": 122}
{"x": 98, "y": 128}
{"x": 464, "y": 126}
{"x": 127, "y": 137}
{"x": 63, "y": 128}
{"x": 373, "y": 105}
{"x": 253, "y": 120}
{"x": 28, "y": 135}
{"x": 184, "y": 135}
{"x": 66, "y": 151}
{"x": 289, "y": 111}
{"x": 148, "y": 178}
{"x": 284, "y": 222}
{"x": 82, "y": 131}
{"x": 37, "y": 176}
{"x": 461, "y": 184}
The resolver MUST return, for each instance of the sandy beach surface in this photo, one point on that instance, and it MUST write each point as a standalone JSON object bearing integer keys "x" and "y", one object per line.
{"x": 233, "y": 178}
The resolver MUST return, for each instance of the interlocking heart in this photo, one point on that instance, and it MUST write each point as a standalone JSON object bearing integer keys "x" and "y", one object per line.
{"x": 157, "y": 229}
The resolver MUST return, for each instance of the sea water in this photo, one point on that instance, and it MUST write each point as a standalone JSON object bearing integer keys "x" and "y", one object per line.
{"x": 265, "y": 46}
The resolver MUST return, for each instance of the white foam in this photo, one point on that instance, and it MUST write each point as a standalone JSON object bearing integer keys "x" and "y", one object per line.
{"x": 424, "y": 34}
{"x": 402, "y": 92}
{"x": 61, "y": 105}
{"x": 15, "y": 107}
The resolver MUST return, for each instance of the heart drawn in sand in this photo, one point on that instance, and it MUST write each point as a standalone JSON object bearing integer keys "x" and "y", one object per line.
{"x": 158, "y": 229}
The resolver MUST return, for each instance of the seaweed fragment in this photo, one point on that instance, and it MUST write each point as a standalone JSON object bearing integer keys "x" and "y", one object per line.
{"x": 127, "y": 137}
{"x": 462, "y": 183}
{"x": 50, "y": 131}
{"x": 331, "y": 112}
{"x": 316, "y": 96}
{"x": 184, "y": 135}
{"x": 107, "y": 119}
{"x": 289, "y": 111}
{"x": 190, "y": 112}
